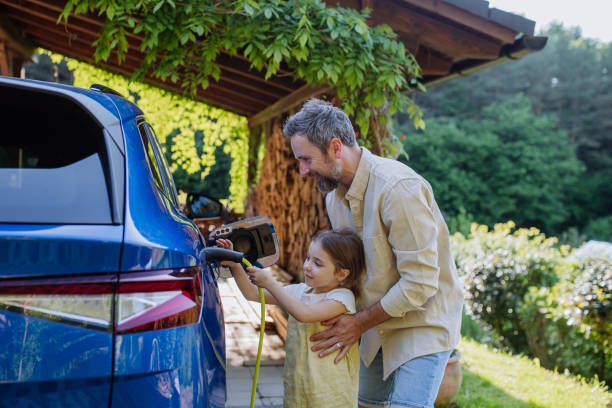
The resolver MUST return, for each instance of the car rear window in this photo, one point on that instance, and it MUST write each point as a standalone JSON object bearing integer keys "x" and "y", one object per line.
{"x": 52, "y": 161}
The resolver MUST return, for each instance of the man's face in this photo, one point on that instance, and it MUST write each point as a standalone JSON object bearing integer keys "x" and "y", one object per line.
{"x": 314, "y": 163}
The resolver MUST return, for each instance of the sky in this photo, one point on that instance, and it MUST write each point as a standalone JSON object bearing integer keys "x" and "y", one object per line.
{"x": 594, "y": 17}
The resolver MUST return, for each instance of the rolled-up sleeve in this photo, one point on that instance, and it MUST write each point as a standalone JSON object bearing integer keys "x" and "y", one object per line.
{"x": 407, "y": 213}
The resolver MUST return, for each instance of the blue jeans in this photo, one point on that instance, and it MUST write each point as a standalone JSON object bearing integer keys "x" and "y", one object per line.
{"x": 414, "y": 384}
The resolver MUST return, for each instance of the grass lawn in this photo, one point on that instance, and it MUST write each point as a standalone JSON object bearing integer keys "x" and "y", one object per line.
{"x": 496, "y": 379}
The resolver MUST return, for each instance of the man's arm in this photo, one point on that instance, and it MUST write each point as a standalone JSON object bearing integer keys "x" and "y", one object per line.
{"x": 412, "y": 233}
{"x": 408, "y": 214}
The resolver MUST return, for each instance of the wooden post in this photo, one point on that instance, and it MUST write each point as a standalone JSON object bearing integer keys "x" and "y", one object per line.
{"x": 4, "y": 59}
{"x": 14, "y": 49}
{"x": 255, "y": 135}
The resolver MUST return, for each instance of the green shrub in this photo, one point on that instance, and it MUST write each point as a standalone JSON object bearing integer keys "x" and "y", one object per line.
{"x": 572, "y": 237}
{"x": 474, "y": 329}
{"x": 570, "y": 326}
{"x": 558, "y": 344}
{"x": 497, "y": 164}
{"x": 497, "y": 268}
{"x": 462, "y": 222}
{"x": 600, "y": 228}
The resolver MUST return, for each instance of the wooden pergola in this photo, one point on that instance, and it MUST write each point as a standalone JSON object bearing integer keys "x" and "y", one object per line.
{"x": 449, "y": 38}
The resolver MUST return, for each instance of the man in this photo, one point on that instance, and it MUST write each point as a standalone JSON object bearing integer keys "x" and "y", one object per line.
{"x": 410, "y": 310}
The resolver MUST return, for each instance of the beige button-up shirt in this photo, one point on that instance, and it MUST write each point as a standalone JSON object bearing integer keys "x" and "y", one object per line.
{"x": 410, "y": 269}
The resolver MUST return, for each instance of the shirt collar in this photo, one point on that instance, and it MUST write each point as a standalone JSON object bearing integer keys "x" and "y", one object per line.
{"x": 360, "y": 182}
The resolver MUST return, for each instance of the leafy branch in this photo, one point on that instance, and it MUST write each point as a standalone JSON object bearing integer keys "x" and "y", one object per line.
{"x": 181, "y": 40}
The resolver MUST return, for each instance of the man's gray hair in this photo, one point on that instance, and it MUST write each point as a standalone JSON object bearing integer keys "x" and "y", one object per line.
{"x": 320, "y": 122}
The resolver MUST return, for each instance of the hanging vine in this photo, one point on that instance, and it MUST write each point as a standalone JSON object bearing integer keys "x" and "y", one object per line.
{"x": 367, "y": 66}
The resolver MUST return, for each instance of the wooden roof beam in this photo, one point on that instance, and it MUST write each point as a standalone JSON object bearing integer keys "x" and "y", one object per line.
{"x": 78, "y": 33}
{"x": 80, "y": 44}
{"x": 213, "y": 95}
{"x": 4, "y": 59}
{"x": 448, "y": 37}
{"x": 13, "y": 35}
{"x": 432, "y": 62}
{"x": 465, "y": 18}
{"x": 14, "y": 49}
{"x": 287, "y": 103}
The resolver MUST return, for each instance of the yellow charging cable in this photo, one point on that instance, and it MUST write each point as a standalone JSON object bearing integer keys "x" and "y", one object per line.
{"x": 262, "y": 301}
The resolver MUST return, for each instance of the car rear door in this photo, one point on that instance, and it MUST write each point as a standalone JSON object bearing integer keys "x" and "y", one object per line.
{"x": 169, "y": 344}
{"x": 60, "y": 244}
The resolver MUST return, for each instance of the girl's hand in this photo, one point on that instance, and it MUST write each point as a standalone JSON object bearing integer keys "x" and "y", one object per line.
{"x": 260, "y": 277}
{"x": 227, "y": 244}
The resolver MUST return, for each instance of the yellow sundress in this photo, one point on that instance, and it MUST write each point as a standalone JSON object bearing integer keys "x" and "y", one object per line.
{"x": 311, "y": 381}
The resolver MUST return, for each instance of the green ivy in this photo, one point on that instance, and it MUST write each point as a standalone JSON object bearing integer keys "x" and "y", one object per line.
{"x": 366, "y": 65}
{"x": 168, "y": 112}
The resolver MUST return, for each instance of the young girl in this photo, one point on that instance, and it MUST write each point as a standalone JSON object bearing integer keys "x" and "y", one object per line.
{"x": 332, "y": 271}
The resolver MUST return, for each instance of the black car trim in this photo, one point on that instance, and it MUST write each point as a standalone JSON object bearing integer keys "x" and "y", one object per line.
{"x": 111, "y": 125}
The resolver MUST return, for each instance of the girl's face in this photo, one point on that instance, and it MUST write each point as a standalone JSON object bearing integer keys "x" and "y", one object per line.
{"x": 319, "y": 270}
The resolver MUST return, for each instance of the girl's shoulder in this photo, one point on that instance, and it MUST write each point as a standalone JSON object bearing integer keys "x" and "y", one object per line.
{"x": 344, "y": 296}
{"x": 342, "y": 291}
{"x": 297, "y": 289}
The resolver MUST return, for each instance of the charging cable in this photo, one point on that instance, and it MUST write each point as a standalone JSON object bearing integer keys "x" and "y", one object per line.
{"x": 262, "y": 302}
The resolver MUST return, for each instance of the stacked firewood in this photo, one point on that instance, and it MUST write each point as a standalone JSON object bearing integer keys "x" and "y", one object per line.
{"x": 294, "y": 204}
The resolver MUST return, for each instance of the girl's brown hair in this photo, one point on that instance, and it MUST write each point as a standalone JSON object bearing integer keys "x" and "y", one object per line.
{"x": 346, "y": 250}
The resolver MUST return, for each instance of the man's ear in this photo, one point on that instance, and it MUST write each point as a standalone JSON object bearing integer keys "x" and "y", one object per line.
{"x": 336, "y": 147}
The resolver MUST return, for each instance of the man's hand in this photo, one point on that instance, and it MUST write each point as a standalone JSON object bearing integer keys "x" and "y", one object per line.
{"x": 345, "y": 332}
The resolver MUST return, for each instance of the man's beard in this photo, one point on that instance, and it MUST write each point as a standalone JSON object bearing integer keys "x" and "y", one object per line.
{"x": 327, "y": 184}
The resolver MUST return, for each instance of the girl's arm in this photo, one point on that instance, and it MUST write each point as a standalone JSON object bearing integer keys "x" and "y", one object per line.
{"x": 302, "y": 312}
{"x": 249, "y": 291}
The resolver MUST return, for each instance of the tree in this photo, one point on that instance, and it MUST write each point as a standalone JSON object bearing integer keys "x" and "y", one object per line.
{"x": 570, "y": 80}
{"x": 509, "y": 164}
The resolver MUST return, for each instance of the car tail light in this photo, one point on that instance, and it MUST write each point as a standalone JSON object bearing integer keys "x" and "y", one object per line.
{"x": 137, "y": 301}
{"x": 156, "y": 300}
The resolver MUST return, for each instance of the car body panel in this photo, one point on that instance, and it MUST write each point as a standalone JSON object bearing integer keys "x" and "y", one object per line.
{"x": 44, "y": 363}
{"x": 47, "y": 363}
{"x": 156, "y": 361}
{"x": 51, "y": 363}
{"x": 32, "y": 250}
{"x": 167, "y": 240}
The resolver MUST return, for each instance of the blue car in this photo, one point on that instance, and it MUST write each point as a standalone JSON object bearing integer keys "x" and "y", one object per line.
{"x": 106, "y": 299}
